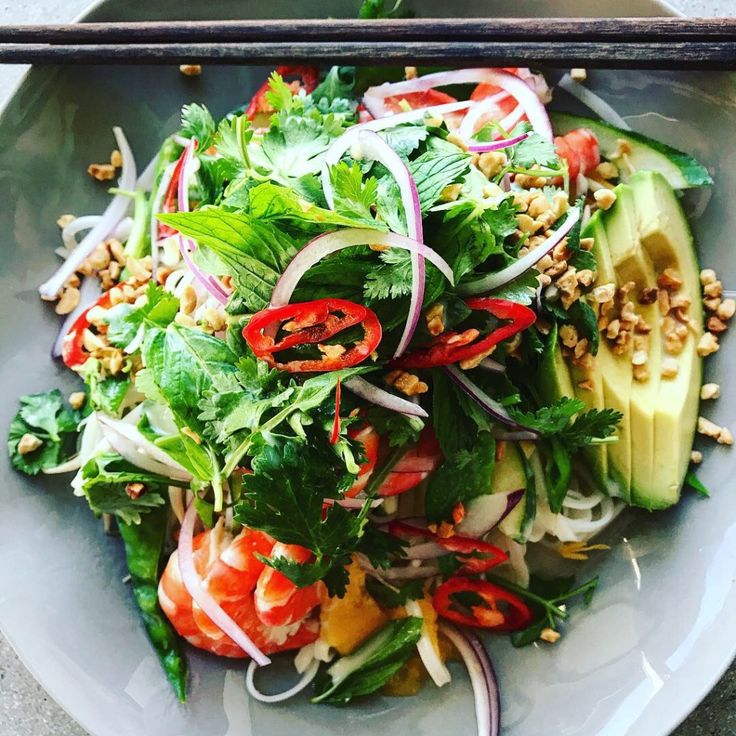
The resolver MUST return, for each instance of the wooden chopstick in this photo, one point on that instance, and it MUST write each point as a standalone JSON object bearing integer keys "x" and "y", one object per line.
{"x": 646, "y": 43}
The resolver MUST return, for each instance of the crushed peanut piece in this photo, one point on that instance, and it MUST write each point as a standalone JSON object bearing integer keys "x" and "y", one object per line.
{"x": 710, "y": 391}
{"x": 184, "y": 320}
{"x": 526, "y": 224}
{"x": 587, "y": 243}
{"x": 708, "y": 428}
{"x": 605, "y": 198}
{"x": 641, "y": 373}
{"x": 640, "y": 357}
{"x": 491, "y": 162}
{"x": 331, "y": 352}
{"x": 410, "y": 72}
{"x": 190, "y": 70}
{"x": 569, "y": 336}
{"x": 707, "y": 276}
{"x": 648, "y": 295}
{"x": 406, "y": 382}
{"x": 696, "y": 457}
{"x": 603, "y": 293}
{"x": 64, "y": 220}
{"x": 188, "y": 299}
{"x": 451, "y": 192}
{"x": 586, "y": 385}
{"x": 550, "y": 635}
{"x": 68, "y": 302}
{"x": 435, "y": 317}
{"x": 670, "y": 367}
{"x": 101, "y": 172}
{"x": 28, "y": 443}
{"x": 77, "y": 399}
{"x": 726, "y": 309}
{"x": 715, "y": 288}
{"x": 215, "y": 319}
{"x": 135, "y": 490}
{"x": 578, "y": 74}
{"x": 669, "y": 279}
{"x": 606, "y": 170}
{"x": 445, "y": 530}
{"x": 116, "y": 158}
{"x": 716, "y": 325}
{"x": 707, "y": 345}
{"x": 456, "y": 140}
{"x": 725, "y": 437}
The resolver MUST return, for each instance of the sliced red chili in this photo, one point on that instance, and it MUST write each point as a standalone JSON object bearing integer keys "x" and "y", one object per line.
{"x": 312, "y": 323}
{"x": 481, "y": 604}
{"x": 335, "y": 434}
{"x": 72, "y": 351}
{"x": 370, "y": 440}
{"x": 453, "y": 347}
{"x": 307, "y": 78}
{"x": 476, "y": 555}
{"x": 417, "y": 464}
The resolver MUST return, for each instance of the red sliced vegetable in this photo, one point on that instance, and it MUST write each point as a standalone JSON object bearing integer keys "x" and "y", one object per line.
{"x": 335, "y": 434}
{"x": 311, "y": 323}
{"x": 453, "y": 347}
{"x": 497, "y": 608}
{"x": 306, "y": 79}
{"x": 73, "y": 352}
{"x": 414, "y": 466}
{"x": 370, "y": 440}
{"x": 580, "y": 150}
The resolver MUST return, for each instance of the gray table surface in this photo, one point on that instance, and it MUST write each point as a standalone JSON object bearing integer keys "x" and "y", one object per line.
{"x": 26, "y": 709}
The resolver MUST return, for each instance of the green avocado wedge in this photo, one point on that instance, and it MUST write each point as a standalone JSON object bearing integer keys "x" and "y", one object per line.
{"x": 635, "y": 269}
{"x": 680, "y": 169}
{"x": 666, "y": 237}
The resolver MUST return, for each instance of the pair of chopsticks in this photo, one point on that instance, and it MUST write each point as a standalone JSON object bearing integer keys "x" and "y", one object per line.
{"x": 643, "y": 43}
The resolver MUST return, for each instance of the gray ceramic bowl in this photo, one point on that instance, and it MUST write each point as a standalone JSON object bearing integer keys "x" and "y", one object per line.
{"x": 660, "y": 631}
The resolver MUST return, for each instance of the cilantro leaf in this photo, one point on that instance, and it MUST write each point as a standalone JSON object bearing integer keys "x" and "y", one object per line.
{"x": 255, "y": 252}
{"x": 354, "y": 196}
{"x": 280, "y": 95}
{"x": 594, "y": 424}
{"x": 395, "y": 595}
{"x": 197, "y": 122}
{"x": 392, "y": 278}
{"x": 51, "y": 423}
{"x": 534, "y": 150}
{"x": 339, "y": 83}
{"x": 104, "y": 481}
{"x": 581, "y": 259}
{"x": 405, "y": 139}
{"x": 378, "y": 9}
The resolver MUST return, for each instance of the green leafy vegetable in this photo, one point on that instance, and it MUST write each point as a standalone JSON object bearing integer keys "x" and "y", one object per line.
{"x": 197, "y": 122}
{"x": 50, "y": 425}
{"x": 354, "y": 197}
{"x": 533, "y": 150}
{"x": 371, "y": 666}
{"x": 144, "y": 547}
{"x": 696, "y": 484}
{"x": 393, "y": 596}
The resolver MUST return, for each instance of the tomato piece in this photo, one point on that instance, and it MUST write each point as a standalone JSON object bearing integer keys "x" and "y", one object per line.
{"x": 306, "y": 79}
{"x": 312, "y": 323}
{"x": 580, "y": 150}
{"x": 453, "y": 347}
{"x": 480, "y": 604}
{"x": 370, "y": 440}
{"x": 417, "y": 100}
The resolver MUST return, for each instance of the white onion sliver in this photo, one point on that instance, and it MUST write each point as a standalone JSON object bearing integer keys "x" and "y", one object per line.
{"x": 113, "y": 214}
{"x": 505, "y": 275}
{"x": 69, "y": 232}
{"x": 526, "y": 98}
{"x": 193, "y": 584}
{"x": 331, "y": 242}
{"x": 145, "y": 180}
{"x": 136, "y": 342}
{"x": 480, "y": 108}
{"x": 360, "y": 387}
{"x": 89, "y": 292}
{"x": 137, "y": 449}
{"x": 309, "y": 674}
{"x": 158, "y": 198}
{"x": 410, "y": 116}
{"x": 368, "y": 144}
{"x": 428, "y": 654}
{"x": 592, "y": 101}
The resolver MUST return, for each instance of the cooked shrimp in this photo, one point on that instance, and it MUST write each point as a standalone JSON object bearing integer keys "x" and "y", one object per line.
{"x": 230, "y": 571}
{"x": 278, "y": 601}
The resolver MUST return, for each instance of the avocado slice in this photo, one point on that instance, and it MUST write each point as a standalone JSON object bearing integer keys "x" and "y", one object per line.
{"x": 666, "y": 237}
{"x": 681, "y": 170}
{"x": 554, "y": 379}
{"x": 607, "y": 384}
{"x": 633, "y": 264}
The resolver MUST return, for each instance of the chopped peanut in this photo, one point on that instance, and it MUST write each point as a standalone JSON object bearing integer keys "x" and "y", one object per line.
{"x": 726, "y": 309}
{"x": 707, "y": 345}
{"x": 101, "y": 172}
{"x": 708, "y": 428}
{"x": 696, "y": 457}
{"x": 669, "y": 279}
{"x": 407, "y": 383}
{"x": 190, "y": 70}
{"x": 68, "y": 302}
{"x": 457, "y": 141}
{"x": 135, "y": 490}
{"x": 491, "y": 163}
{"x": 710, "y": 391}
{"x": 725, "y": 437}
{"x": 28, "y": 443}
{"x": 670, "y": 367}
{"x": 331, "y": 352}
{"x": 605, "y": 198}
{"x": 188, "y": 299}
{"x": 715, "y": 288}
{"x": 716, "y": 325}
{"x": 707, "y": 276}
{"x": 65, "y": 220}
{"x": 578, "y": 74}
{"x": 77, "y": 399}
{"x": 550, "y": 635}
{"x": 116, "y": 158}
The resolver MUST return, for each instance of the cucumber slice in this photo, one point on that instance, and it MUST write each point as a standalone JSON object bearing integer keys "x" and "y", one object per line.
{"x": 680, "y": 169}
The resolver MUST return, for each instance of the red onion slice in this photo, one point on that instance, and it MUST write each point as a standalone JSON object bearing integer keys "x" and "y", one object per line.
{"x": 478, "y": 394}
{"x": 485, "y": 512}
{"x": 193, "y": 584}
{"x": 482, "y": 678}
{"x": 111, "y": 217}
{"x": 505, "y": 275}
{"x": 89, "y": 293}
{"x": 360, "y": 387}
{"x": 497, "y": 145}
{"x": 526, "y": 97}
{"x": 309, "y": 674}
{"x": 366, "y": 144}
{"x": 327, "y": 243}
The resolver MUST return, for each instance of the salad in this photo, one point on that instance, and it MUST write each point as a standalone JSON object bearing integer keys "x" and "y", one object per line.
{"x": 367, "y": 360}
